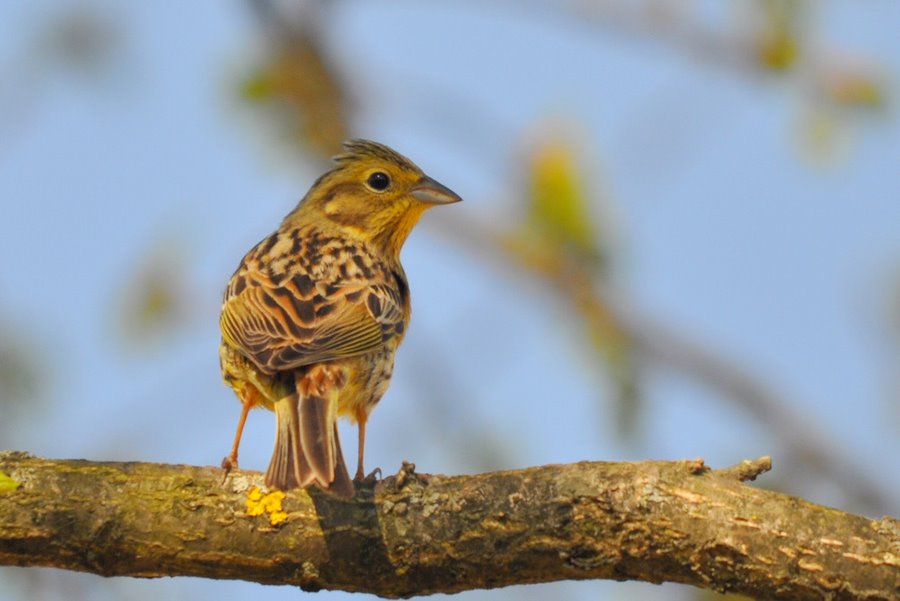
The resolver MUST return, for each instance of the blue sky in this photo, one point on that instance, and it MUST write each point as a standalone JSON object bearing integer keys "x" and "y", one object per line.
{"x": 725, "y": 228}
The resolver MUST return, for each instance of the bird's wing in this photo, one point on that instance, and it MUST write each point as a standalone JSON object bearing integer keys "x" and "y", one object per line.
{"x": 297, "y": 321}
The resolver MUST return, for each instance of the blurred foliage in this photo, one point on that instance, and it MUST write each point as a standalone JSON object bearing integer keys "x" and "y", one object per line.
{"x": 860, "y": 88}
{"x": 297, "y": 86}
{"x": 78, "y": 43}
{"x": 559, "y": 217}
{"x": 842, "y": 94}
{"x": 154, "y": 302}
{"x": 81, "y": 38}
{"x": 780, "y": 45}
{"x": 778, "y": 38}
{"x": 21, "y": 381}
{"x": 822, "y": 135}
{"x": 559, "y": 240}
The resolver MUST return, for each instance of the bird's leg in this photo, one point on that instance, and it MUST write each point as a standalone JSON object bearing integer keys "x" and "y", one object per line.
{"x": 248, "y": 401}
{"x": 361, "y": 417}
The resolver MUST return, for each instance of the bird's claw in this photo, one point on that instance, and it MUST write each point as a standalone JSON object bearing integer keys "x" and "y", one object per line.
{"x": 368, "y": 481}
{"x": 228, "y": 463}
{"x": 373, "y": 477}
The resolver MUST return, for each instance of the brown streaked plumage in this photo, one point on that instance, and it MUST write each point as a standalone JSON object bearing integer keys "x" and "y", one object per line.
{"x": 314, "y": 313}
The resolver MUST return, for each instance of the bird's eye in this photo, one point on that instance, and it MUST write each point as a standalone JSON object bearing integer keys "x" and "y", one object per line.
{"x": 379, "y": 181}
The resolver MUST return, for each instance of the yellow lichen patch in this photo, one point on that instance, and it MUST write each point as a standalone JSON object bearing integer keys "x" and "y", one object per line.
{"x": 254, "y": 506}
{"x": 269, "y": 503}
{"x": 276, "y": 517}
{"x": 7, "y": 484}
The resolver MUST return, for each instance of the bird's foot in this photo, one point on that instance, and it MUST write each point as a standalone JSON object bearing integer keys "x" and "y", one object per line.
{"x": 373, "y": 477}
{"x": 369, "y": 481}
{"x": 228, "y": 463}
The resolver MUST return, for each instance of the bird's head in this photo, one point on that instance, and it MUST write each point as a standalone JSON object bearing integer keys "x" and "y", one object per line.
{"x": 374, "y": 194}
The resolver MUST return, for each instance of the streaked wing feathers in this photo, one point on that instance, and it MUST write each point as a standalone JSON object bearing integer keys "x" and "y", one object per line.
{"x": 280, "y": 328}
{"x": 385, "y": 304}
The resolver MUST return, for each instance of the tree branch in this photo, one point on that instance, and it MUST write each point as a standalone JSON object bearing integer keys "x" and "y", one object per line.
{"x": 414, "y": 534}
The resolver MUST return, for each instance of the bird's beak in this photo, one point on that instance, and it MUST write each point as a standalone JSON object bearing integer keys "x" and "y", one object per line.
{"x": 430, "y": 191}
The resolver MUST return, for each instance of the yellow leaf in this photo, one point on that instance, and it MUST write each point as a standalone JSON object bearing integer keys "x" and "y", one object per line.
{"x": 258, "y": 86}
{"x": 857, "y": 90}
{"x": 778, "y": 45}
{"x": 559, "y": 204}
{"x": 777, "y": 51}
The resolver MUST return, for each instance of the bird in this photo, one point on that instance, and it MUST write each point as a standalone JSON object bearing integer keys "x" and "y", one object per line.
{"x": 312, "y": 317}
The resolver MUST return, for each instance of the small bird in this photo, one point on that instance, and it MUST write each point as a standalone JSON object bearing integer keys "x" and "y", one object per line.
{"x": 314, "y": 313}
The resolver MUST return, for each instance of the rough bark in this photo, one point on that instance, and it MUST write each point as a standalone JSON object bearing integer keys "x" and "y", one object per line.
{"x": 413, "y": 534}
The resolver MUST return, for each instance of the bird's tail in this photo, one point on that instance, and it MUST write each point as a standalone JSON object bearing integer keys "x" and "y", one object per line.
{"x": 307, "y": 448}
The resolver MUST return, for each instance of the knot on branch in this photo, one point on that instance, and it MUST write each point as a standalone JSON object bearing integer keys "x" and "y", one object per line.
{"x": 748, "y": 469}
